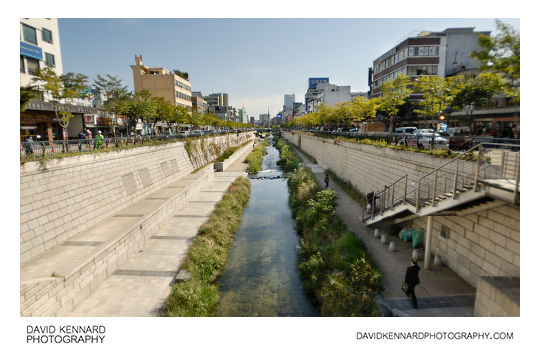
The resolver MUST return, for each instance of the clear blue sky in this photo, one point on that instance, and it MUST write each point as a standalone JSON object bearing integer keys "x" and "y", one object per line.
{"x": 256, "y": 61}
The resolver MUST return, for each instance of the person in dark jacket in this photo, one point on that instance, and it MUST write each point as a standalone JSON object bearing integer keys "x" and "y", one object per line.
{"x": 411, "y": 278}
{"x": 326, "y": 181}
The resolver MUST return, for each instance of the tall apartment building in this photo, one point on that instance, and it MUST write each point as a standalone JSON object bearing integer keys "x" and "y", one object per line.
{"x": 288, "y": 101}
{"x": 429, "y": 53}
{"x": 162, "y": 83}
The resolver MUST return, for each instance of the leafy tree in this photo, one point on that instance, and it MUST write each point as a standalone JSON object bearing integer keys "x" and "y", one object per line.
{"x": 184, "y": 75}
{"x": 475, "y": 90}
{"x": 365, "y": 108}
{"x": 111, "y": 87}
{"x": 27, "y": 94}
{"x": 61, "y": 88}
{"x": 143, "y": 106}
{"x": 394, "y": 94}
{"x": 501, "y": 54}
{"x": 165, "y": 111}
{"x": 438, "y": 93}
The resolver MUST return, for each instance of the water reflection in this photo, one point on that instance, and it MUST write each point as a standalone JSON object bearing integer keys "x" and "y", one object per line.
{"x": 260, "y": 277}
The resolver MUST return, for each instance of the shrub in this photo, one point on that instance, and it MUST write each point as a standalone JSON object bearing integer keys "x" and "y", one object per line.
{"x": 337, "y": 272}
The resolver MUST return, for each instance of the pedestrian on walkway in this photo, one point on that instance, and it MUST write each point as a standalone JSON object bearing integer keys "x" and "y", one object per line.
{"x": 326, "y": 181}
{"x": 412, "y": 280}
{"x": 99, "y": 139}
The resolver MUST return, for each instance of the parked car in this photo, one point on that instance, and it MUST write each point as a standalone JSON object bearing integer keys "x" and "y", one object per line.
{"x": 405, "y": 130}
{"x": 425, "y": 131}
{"x": 425, "y": 140}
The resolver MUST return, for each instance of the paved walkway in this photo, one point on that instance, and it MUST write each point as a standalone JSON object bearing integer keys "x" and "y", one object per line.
{"x": 440, "y": 293}
{"x": 140, "y": 285}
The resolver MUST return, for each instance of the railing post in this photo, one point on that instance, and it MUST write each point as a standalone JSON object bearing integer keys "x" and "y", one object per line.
{"x": 455, "y": 180}
{"x": 392, "y": 203}
{"x": 418, "y": 197}
{"x": 502, "y": 163}
{"x": 517, "y": 182}
{"x": 434, "y": 189}
{"x": 478, "y": 163}
{"x": 405, "y": 191}
{"x": 373, "y": 207}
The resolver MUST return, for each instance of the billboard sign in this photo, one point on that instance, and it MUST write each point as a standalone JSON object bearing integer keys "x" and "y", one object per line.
{"x": 31, "y": 51}
{"x": 314, "y": 81}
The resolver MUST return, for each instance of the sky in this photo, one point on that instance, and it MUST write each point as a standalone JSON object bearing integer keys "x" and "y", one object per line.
{"x": 256, "y": 61}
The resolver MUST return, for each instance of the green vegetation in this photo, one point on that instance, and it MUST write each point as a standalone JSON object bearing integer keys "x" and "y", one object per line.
{"x": 206, "y": 258}
{"x": 338, "y": 274}
{"x": 348, "y": 188}
{"x": 254, "y": 159}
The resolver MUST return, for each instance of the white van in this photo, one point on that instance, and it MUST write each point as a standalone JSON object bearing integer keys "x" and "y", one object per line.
{"x": 405, "y": 130}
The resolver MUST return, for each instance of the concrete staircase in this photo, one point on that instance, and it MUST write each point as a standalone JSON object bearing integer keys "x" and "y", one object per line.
{"x": 458, "y": 187}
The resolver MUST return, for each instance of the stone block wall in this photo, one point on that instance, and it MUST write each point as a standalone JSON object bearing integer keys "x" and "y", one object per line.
{"x": 497, "y": 297}
{"x": 65, "y": 196}
{"x": 479, "y": 244}
{"x": 368, "y": 168}
{"x": 485, "y": 243}
{"x": 57, "y": 296}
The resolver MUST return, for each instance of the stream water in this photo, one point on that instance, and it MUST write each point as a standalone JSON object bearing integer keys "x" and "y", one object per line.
{"x": 260, "y": 276}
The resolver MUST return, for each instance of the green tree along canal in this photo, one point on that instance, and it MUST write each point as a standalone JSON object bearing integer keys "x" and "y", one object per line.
{"x": 261, "y": 277}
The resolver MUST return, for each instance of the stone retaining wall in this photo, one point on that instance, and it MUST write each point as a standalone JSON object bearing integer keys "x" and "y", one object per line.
{"x": 497, "y": 297}
{"x": 57, "y": 296}
{"x": 63, "y": 197}
{"x": 484, "y": 243}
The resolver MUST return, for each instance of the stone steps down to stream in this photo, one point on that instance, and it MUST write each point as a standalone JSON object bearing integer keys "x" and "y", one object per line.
{"x": 56, "y": 282}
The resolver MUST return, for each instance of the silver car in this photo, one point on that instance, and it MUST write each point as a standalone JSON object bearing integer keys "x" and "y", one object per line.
{"x": 425, "y": 140}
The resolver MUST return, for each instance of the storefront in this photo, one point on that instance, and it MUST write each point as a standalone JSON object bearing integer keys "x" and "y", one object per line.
{"x": 40, "y": 119}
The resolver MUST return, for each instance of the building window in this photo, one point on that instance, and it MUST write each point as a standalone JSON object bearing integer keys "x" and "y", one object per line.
{"x": 445, "y": 231}
{"x": 29, "y": 34}
{"x": 46, "y": 35}
{"x": 33, "y": 65}
{"x": 49, "y": 60}
{"x": 22, "y": 65}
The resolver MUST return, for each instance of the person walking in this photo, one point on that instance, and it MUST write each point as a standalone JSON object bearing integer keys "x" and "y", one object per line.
{"x": 99, "y": 139}
{"x": 326, "y": 181}
{"x": 412, "y": 280}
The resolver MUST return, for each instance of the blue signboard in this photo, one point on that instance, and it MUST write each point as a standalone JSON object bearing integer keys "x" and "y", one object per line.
{"x": 31, "y": 51}
{"x": 278, "y": 116}
{"x": 314, "y": 81}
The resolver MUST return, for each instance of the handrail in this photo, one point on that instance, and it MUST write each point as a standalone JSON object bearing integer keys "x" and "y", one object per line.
{"x": 434, "y": 190}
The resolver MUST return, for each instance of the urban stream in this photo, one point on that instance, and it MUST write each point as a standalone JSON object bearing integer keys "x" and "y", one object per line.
{"x": 260, "y": 276}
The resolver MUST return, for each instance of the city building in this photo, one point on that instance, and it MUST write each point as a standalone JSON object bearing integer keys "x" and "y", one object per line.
{"x": 218, "y": 99}
{"x": 329, "y": 94}
{"x": 252, "y": 120}
{"x": 161, "y": 83}
{"x": 199, "y": 104}
{"x": 429, "y": 53}
{"x": 444, "y": 54}
{"x": 288, "y": 102}
{"x": 264, "y": 119}
{"x": 40, "y": 48}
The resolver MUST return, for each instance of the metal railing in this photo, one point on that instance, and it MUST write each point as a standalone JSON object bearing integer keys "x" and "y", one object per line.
{"x": 455, "y": 143}
{"x": 40, "y": 149}
{"x": 452, "y": 178}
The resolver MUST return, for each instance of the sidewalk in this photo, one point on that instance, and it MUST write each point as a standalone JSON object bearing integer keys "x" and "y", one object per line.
{"x": 140, "y": 285}
{"x": 440, "y": 293}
